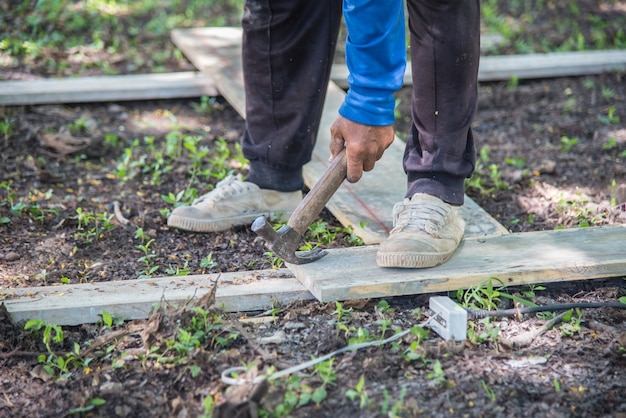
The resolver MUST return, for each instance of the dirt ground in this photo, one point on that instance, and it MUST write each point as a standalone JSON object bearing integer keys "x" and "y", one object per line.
{"x": 552, "y": 155}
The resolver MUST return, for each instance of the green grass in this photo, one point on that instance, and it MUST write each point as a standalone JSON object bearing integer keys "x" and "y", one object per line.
{"x": 109, "y": 36}
{"x": 67, "y": 37}
{"x": 572, "y": 26}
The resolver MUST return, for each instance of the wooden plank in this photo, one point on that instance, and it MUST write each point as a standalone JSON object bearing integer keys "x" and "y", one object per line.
{"x": 106, "y": 88}
{"x": 366, "y": 205}
{"x": 213, "y": 49}
{"x": 133, "y": 299}
{"x": 555, "y": 64}
{"x": 527, "y": 66}
{"x": 201, "y": 45}
{"x": 190, "y": 84}
{"x": 530, "y": 257}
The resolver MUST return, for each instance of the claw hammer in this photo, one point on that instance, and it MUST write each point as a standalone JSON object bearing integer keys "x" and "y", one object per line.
{"x": 286, "y": 241}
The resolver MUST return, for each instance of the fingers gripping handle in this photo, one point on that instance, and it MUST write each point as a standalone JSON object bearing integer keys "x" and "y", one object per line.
{"x": 315, "y": 200}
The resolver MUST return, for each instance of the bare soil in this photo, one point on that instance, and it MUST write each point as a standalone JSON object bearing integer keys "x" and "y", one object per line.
{"x": 552, "y": 155}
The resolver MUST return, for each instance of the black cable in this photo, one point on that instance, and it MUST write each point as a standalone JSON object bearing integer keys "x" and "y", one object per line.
{"x": 479, "y": 314}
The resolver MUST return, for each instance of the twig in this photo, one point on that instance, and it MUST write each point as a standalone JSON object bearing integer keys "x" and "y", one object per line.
{"x": 113, "y": 335}
{"x": 18, "y": 353}
{"x": 256, "y": 346}
{"x": 118, "y": 214}
{"x": 527, "y": 338}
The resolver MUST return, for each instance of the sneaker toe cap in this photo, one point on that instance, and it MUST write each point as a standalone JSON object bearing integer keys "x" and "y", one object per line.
{"x": 190, "y": 212}
{"x": 410, "y": 245}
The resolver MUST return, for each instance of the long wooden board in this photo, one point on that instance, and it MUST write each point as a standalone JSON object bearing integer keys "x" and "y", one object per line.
{"x": 133, "y": 299}
{"x": 528, "y": 66}
{"x": 366, "y": 205}
{"x": 349, "y": 273}
{"x": 190, "y": 84}
{"x": 106, "y": 88}
{"x": 530, "y": 257}
{"x": 199, "y": 45}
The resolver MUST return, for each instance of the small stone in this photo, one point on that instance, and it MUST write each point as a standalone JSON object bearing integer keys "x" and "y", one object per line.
{"x": 278, "y": 337}
{"x": 12, "y": 256}
{"x": 115, "y": 108}
{"x": 294, "y": 325}
{"x": 547, "y": 167}
{"x": 111, "y": 388}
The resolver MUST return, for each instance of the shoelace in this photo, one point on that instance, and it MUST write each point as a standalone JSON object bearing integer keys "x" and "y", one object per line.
{"x": 231, "y": 186}
{"x": 423, "y": 216}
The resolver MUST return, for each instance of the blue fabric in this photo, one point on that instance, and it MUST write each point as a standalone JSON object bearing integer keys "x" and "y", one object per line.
{"x": 376, "y": 59}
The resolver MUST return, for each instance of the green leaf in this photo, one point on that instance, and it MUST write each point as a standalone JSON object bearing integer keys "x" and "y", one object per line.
{"x": 97, "y": 401}
{"x": 420, "y": 332}
{"x": 361, "y": 384}
{"x": 319, "y": 395}
{"x": 622, "y": 299}
{"x": 305, "y": 398}
{"x": 34, "y": 323}
{"x": 351, "y": 394}
{"x": 58, "y": 334}
{"x": 107, "y": 319}
{"x": 195, "y": 370}
{"x": 568, "y": 316}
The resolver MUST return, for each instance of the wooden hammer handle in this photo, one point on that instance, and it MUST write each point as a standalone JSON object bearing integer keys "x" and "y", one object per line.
{"x": 315, "y": 200}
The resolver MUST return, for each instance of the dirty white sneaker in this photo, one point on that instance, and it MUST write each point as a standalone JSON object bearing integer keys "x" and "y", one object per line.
{"x": 233, "y": 202}
{"x": 426, "y": 233}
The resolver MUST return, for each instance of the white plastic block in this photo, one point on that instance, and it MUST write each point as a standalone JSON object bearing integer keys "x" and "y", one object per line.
{"x": 449, "y": 320}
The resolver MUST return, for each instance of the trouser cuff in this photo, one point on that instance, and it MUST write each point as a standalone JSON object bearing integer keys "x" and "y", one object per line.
{"x": 281, "y": 180}
{"x": 448, "y": 188}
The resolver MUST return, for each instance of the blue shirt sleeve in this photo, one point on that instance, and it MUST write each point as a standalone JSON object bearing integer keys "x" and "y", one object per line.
{"x": 376, "y": 59}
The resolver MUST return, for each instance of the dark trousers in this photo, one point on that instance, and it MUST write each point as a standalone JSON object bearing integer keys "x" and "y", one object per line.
{"x": 288, "y": 49}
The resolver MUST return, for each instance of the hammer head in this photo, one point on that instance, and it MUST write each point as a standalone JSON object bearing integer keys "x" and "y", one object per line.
{"x": 285, "y": 242}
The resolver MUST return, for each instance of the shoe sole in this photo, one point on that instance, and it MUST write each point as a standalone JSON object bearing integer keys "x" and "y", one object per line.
{"x": 412, "y": 260}
{"x": 223, "y": 224}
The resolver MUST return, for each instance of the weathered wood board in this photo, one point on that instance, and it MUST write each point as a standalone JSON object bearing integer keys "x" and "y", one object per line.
{"x": 106, "y": 88}
{"x": 366, "y": 205}
{"x": 516, "y": 259}
{"x": 217, "y": 53}
{"x": 133, "y": 299}
{"x": 194, "y": 43}
{"x": 348, "y": 273}
{"x": 190, "y": 84}
{"x": 528, "y": 66}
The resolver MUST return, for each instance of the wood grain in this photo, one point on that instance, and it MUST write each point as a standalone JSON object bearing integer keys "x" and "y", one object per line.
{"x": 515, "y": 259}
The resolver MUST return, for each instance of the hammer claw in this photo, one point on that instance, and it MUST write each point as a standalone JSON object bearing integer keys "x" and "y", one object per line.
{"x": 311, "y": 255}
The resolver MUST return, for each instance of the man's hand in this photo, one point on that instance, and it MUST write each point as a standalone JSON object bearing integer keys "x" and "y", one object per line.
{"x": 364, "y": 144}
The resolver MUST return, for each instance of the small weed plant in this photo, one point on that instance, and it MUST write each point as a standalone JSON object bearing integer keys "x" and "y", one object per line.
{"x": 610, "y": 118}
{"x": 58, "y": 365}
{"x": 583, "y": 213}
{"x": 567, "y": 143}
{"x": 571, "y": 323}
{"x": 390, "y": 408}
{"x": 7, "y": 127}
{"x": 147, "y": 259}
{"x": 28, "y": 206}
{"x": 202, "y": 329}
{"x": 359, "y": 393}
{"x": 91, "y": 225}
{"x": 488, "y": 295}
{"x": 487, "y": 177}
